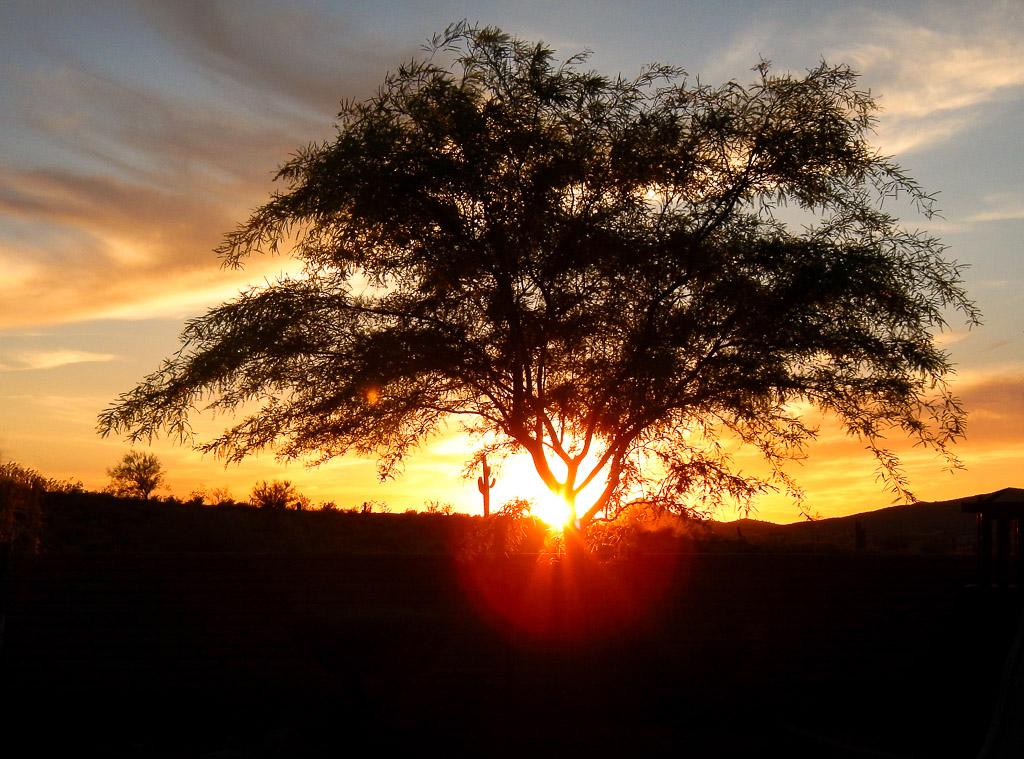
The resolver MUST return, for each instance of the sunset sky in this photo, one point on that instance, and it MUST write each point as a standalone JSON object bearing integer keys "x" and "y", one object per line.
{"x": 134, "y": 134}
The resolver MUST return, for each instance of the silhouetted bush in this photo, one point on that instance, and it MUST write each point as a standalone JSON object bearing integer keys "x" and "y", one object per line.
{"x": 21, "y": 518}
{"x": 103, "y": 523}
{"x": 137, "y": 475}
{"x": 212, "y": 497}
{"x": 277, "y": 494}
{"x": 433, "y": 506}
{"x": 511, "y": 529}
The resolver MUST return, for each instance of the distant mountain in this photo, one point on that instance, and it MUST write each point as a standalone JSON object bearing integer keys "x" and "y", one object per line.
{"x": 931, "y": 527}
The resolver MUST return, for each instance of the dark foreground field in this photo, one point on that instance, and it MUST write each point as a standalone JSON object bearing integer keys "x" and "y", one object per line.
{"x": 696, "y": 655}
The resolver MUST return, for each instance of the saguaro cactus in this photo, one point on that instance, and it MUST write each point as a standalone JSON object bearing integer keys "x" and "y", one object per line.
{"x": 484, "y": 485}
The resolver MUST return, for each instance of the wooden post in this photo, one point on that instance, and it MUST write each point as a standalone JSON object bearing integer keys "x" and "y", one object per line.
{"x": 985, "y": 548}
{"x": 1003, "y": 550}
{"x": 1020, "y": 552}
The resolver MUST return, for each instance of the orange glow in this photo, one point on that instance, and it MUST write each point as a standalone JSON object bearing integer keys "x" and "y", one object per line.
{"x": 518, "y": 478}
{"x": 372, "y": 393}
{"x": 571, "y": 600}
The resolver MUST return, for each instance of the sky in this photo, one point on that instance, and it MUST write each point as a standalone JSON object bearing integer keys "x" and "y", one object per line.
{"x": 135, "y": 133}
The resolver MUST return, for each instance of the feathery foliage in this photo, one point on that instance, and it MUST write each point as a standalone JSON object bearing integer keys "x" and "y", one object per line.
{"x": 137, "y": 475}
{"x": 611, "y": 274}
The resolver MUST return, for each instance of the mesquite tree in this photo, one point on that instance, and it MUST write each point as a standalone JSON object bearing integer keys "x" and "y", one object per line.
{"x": 611, "y": 274}
{"x": 136, "y": 475}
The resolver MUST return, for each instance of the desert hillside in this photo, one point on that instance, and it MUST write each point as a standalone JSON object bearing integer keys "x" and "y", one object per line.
{"x": 929, "y": 527}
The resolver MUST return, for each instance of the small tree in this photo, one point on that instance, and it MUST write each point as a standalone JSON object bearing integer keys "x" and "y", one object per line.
{"x": 136, "y": 476}
{"x": 368, "y": 507}
{"x": 277, "y": 494}
{"x": 613, "y": 275}
{"x": 212, "y": 497}
{"x": 434, "y": 506}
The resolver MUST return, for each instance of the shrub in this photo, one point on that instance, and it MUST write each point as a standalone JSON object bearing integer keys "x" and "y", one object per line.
{"x": 214, "y": 497}
{"x": 21, "y": 516}
{"x": 507, "y": 531}
{"x": 368, "y": 507}
{"x": 439, "y": 507}
{"x": 277, "y": 494}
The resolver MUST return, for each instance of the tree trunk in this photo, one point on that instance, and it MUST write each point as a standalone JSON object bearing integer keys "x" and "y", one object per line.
{"x": 573, "y": 535}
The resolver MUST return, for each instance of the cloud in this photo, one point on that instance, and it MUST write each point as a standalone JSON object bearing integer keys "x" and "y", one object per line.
{"x": 47, "y": 410}
{"x": 934, "y": 72}
{"x": 994, "y": 401}
{"x": 52, "y": 359}
{"x": 937, "y": 77}
{"x": 149, "y": 189}
{"x": 128, "y": 180}
{"x": 82, "y": 245}
{"x": 951, "y": 336}
{"x": 999, "y": 207}
{"x": 105, "y": 210}
{"x": 311, "y": 58}
{"x": 85, "y": 290}
{"x": 145, "y": 186}
{"x": 132, "y": 128}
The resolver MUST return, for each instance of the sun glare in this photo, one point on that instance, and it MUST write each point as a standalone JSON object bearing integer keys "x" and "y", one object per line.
{"x": 519, "y": 479}
{"x": 554, "y": 511}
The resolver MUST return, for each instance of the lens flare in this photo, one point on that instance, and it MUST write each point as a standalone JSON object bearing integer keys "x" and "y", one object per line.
{"x": 372, "y": 394}
{"x": 570, "y": 601}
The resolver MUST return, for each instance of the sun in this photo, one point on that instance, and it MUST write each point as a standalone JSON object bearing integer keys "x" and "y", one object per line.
{"x": 551, "y": 509}
{"x": 518, "y": 479}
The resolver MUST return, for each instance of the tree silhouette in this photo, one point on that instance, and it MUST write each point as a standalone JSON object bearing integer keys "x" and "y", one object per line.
{"x": 21, "y": 516}
{"x": 613, "y": 275}
{"x": 277, "y": 494}
{"x": 137, "y": 475}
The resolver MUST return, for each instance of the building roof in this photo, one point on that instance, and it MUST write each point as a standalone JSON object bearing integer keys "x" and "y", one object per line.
{"x": 1005, "y": 502}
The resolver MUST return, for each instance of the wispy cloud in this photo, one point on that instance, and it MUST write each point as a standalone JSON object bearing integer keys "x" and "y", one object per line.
{"x": 84, "y": 245}
{"x": 133, "y": 128}
{"x": 994, "y": 400}
{"x": 1000, "y": 207}
{"x": 300, "y": 53}
{"x": 52, "y": 359}
{"x": 935, "y": 72}
{"x": 127, "y": 184}
{"x": 936, "y": 75}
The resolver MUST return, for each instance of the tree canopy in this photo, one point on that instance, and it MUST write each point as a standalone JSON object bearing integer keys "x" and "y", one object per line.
{"x": 137, "y": 475}
{"x": 611, "y": 274}
{"x": 277, "y": 494}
